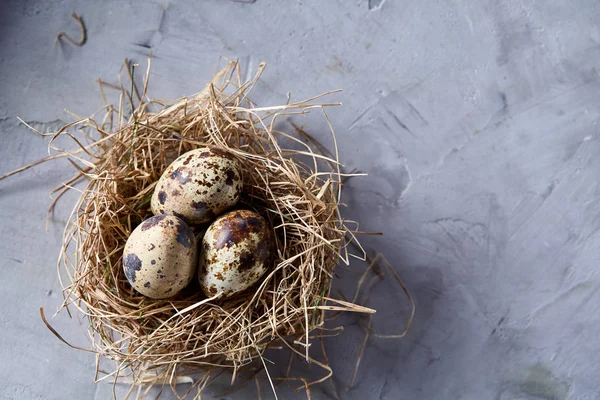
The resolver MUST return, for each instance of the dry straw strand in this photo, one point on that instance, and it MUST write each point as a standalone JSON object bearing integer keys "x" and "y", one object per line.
{"x": 68, "y": 38}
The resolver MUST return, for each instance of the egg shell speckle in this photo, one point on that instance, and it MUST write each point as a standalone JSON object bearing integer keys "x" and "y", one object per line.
{"x": 160, "y": 256}
{"x": 236, "y": 251}
{"x": 198, "y": 185}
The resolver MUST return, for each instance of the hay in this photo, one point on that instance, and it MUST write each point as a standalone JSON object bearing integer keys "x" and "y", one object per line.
{"x": 289, "y": 179}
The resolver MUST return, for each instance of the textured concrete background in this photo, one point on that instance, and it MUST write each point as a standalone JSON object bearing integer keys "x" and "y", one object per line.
{"x": 476, "y": 120}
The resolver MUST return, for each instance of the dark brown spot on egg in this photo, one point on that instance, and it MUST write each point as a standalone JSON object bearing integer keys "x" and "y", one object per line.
{"x": 151, "y": 247}
{"x": 219, "y": 276}
{"x": 179, "y": 176}
{"x": 161, "y": 276}
{"x": 168, "y": 290}
{"x": 202, "y": 182}
{"x": 230, "y": 175}
{"x": 131, "y": 264}
{"x": 152, "y": 221}
{"x": 200, "y": 206}
{"x": 147, "y": 284}
{"x": 236, "y": 227}
{"x": 247, "y": 261}
{"x": 175, "y": 193}
{"x": 162, "y": 196}
{"x": 255, "y": 222}
{"x": 185, "y": 236}
{"x": 188, "y": 159}
{"x": 205, "y": 154}
{"x": 212, "y": 290}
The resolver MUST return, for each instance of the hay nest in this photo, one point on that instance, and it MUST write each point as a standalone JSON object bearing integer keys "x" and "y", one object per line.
{"x": 289, "y": 179}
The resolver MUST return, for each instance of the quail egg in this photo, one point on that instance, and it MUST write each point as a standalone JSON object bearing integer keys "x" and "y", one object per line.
{"x": 160, "y": 256}
{"x": 235, "y": 252}
{"x": 198, "y": 185}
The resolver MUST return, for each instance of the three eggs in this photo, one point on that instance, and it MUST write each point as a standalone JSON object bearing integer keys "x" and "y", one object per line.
{"x": 162, "y": 254}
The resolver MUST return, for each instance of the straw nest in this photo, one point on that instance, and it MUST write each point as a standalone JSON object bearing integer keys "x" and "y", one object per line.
{"x": 290, "y": 179}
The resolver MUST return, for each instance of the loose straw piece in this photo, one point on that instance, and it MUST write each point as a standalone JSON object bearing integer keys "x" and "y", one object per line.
{"x": 68, "y": 38}
{"x": 198, "y": 304}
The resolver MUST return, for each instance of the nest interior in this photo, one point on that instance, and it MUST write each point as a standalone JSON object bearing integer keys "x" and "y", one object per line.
{"x": 289, "y": 179}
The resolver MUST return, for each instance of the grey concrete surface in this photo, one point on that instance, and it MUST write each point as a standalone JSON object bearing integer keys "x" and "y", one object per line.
{"x": 477, "y": 122}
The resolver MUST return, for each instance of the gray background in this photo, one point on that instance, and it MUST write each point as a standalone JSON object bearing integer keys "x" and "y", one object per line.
{"x": 477, "y": 122}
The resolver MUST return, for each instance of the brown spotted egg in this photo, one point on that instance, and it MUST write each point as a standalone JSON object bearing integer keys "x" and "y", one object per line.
{"x": 198, "y": 186}
{"x": 236, "y": 251}
{"x": 160, "y": 256}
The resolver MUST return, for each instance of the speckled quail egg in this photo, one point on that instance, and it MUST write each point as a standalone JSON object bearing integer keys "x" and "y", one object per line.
{"x": 235, "y": 252}
{"x": 198, "y": 185}
{"x": 160, "y": 256}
